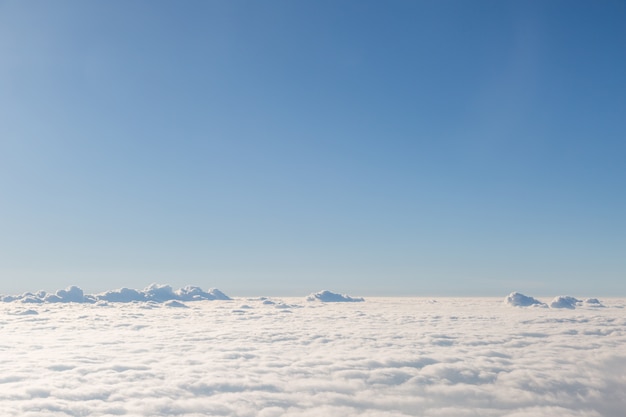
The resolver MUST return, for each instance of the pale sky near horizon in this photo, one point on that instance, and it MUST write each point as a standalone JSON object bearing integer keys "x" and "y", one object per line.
{"x": 284, "y": 147}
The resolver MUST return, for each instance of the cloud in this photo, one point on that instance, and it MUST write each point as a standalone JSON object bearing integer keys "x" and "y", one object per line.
{"x": 174, "y": 303}
{"x": 517, "y": 299}
{"x": 331, "y": 297}
{"x": 565, "y": 301}
{"x": 191, "y": 293}
{"x": 154, "y": 292}
{"x": 562, "y": 301}
{"x": 387, "y": 357}
{"x": 71, "y": 294}
{"x": 122, "y": 295}
{"x": 593, "y": 302}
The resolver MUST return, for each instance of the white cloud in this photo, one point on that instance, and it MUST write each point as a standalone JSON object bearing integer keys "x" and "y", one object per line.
{"x": 517, "y": 299}
{"x": 154, "y": 292}
{"x": 72, "y": 294}
{"x": 593, "y": 302}
{"x": 565, "y": 301}
{"x": 245, "y": 357}
{"x": 122, "y": 295}
{"x": 331, "y": 297}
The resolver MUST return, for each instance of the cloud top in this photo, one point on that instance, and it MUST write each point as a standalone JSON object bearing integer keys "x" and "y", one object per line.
{"x": 155, "y": 292}
{"x": 517, "y": 299}
{"x": 593, "y": 302}
{"x": 389, "y": 357}
{"x": 565, "y": 301}
{"x": 331, "y": 297}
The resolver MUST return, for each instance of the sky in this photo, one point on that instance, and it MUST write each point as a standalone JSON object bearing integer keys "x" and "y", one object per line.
{"x": 280, "y": 147}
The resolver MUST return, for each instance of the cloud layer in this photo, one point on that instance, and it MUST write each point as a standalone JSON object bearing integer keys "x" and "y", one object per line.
{"x": 289, "y": 357}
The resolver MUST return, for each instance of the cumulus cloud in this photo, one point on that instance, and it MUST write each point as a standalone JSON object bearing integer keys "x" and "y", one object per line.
{"x": 565, "y": 301}
{"x": 72, "y": 294}
{"x": 191, "y": 293}
{"x": 387, "y": 357}
{"x": 520, "y": 300}
{"x": 154, "y": 292}
{"x": 331, "y": 297}
{"x": 122, "y": 295}
{"x": 562, "y": 301}
{"x": 593, "y": 302}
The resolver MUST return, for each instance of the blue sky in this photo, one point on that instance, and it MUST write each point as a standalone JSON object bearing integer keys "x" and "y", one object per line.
{"x": 280, "y": 148}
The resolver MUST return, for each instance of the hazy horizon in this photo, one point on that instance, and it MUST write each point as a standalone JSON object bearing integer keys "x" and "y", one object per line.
{"x": 252, "y": 294}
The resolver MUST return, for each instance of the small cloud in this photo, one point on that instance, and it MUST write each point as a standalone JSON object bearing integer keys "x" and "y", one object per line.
{"x": 565, "y": 301}
{"x": 191, "y": 293}
{"x": 331, "y": 297}
{"x": 174, "y": 303}
{"x": 72, "y": 294}
{"x": 122, "y": 295}
{"x": 517, "y": 299}
{"x": 159, "y": 292}
{"x": 593, "y": 302}
{"x": 29, "y": 298}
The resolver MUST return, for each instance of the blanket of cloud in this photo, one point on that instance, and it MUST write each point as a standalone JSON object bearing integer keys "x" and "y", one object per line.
{"x": 290, "y": 357}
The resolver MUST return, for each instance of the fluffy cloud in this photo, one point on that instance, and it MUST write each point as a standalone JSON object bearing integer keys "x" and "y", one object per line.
{"x": 154, "y": 292}
{"x": 331, "y": 297}
{"x": 72, "y": 294}
{"x": 122, "y": 295}
{"x": 562, "y": 301}
{"x": 593, "y": 302}
{"x": 246, "y": 357}
{"x": 517, "y": 299}
{"x": 565, "y": 301}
